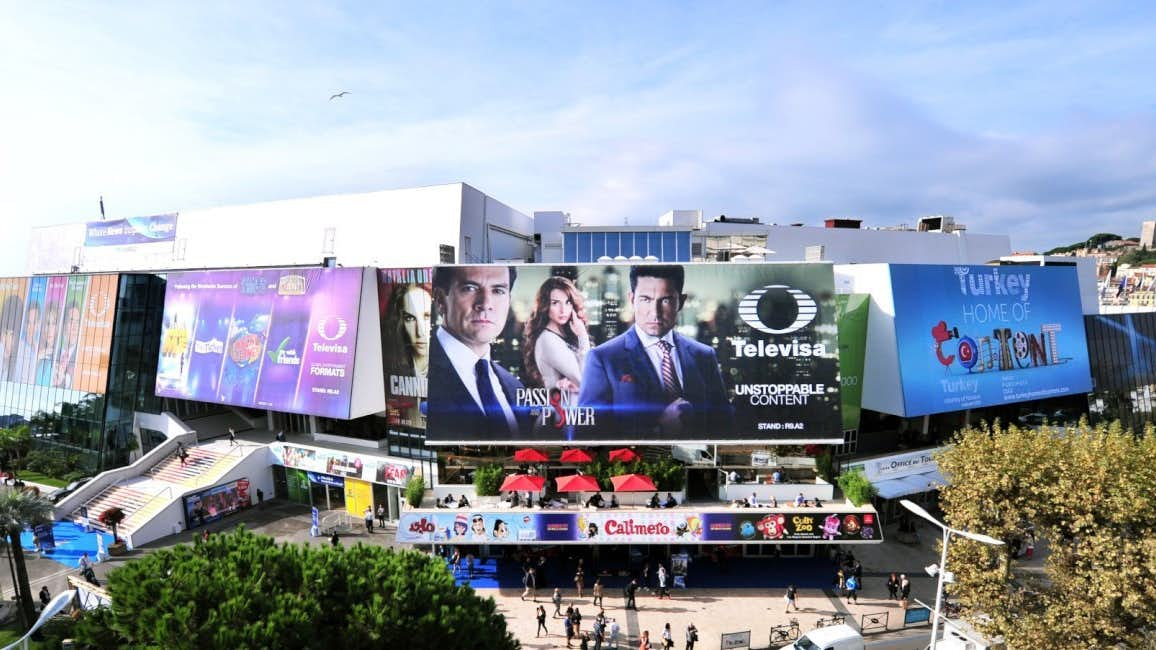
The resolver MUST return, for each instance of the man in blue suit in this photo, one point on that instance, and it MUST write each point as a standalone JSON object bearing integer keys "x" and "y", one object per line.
{"x": 470, "y": 395}
{"x": 651, "y": 380}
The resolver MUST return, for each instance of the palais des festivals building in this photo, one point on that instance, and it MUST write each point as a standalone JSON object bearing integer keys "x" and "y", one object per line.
{"x": 317, "y": 318}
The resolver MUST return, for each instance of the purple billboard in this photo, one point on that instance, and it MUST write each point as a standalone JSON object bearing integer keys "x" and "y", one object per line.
{"x": 278, "y": 339}
{"x": 136, "y": 230}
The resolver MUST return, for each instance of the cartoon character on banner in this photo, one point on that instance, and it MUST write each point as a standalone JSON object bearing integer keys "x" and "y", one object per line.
{"x": 851, "y": 525}
{"x": 772, "y": 526}
{"x": 831, "y": 527}
{"x": 692, "y": 527}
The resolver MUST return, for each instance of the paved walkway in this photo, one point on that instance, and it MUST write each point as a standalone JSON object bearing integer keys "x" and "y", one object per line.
{"x": 713, "y": 611}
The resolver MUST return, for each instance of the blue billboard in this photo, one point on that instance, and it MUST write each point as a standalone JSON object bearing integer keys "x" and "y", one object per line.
{"x": 974, "y": 336}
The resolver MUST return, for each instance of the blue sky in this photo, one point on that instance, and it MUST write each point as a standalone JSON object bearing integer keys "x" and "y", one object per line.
{"x": 1036, "y": 120}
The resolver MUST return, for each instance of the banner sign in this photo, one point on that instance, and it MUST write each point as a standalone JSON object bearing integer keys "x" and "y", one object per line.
{"x": 45, "y": 538}
{"x": 646, "y": 353}
{"x": 367, "y": 468}
{"x": 677, "y": 526}
{"x": 974, "y": 336}
{"x": 852, "y": 310}
{"x": 915, "y": 462}
{"x": 136, "y": 230}
{"x": 57, "y": 330}
{"x": 210, "y": 505}
{"x": 278, "y": 339}
{"x": 405, "y": 298}
{"x": 325, "y": 479}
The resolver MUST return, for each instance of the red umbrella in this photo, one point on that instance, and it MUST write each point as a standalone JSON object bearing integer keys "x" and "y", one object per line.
{"x": 633, "y": 483}
{"x": 577, "y": 483}
{"x": 576, "y": 456}
{"x": 530, "y": 455}
{"x": 625, "y": 455}
{"x": 522, "y": 482}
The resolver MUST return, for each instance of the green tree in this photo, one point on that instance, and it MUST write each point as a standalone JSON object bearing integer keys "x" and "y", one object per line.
{"x": 14, "y": 445}
{"x": 20, "y": 509}
{"x": 1090, "y": 494}
{"x": 240, "y": 590}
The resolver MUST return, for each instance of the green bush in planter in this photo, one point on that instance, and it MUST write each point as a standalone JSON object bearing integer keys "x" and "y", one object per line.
{"x": 856, "y": 487}
{"x": 488, "y": 479}
{"x": 414, "y": 490}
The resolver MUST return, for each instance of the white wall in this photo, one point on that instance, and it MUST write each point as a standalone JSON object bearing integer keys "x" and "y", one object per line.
{"x": 368, "y": 385}
{"x": 882, "y": 383}
{"x": 847, "y": 245}
{"x": 1085, "y": 272}
{"x": 496, "y": 231}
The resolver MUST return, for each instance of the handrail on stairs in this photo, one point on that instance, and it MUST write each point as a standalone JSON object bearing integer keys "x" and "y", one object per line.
{"x": 210, "y": 470}
{"x": 167, "y": 491}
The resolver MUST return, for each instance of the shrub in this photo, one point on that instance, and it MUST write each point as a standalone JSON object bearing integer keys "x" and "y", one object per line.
{"x": 856, "y": 487}
{"x": 414, "y": 490}
{"x": 488, "y": 480}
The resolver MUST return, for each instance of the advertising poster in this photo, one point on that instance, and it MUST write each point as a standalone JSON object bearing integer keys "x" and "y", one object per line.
{"x": 343, "y": 464}
{"x": 210, "y": 505}
{"x": 645, "y": 353}
{"x": 677, "y": 526}
{"x": 56, "y": 330}
{"x": 973, "y": 336}
{"x": 405, "y": 298}
{"x": 136, "y": 230}
{"x": 852, "y": 310}
{"x": 279, "y": 339}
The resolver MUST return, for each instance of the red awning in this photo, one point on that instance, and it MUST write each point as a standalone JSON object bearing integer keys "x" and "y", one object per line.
{"x": 522, "y": 482}
{"x": 576, "y": 456}
{"x": 577, "y": 483}
{"x": 530, "y": 455}
{"x": 633, "y": 483}
{"x": 623, "y": 455}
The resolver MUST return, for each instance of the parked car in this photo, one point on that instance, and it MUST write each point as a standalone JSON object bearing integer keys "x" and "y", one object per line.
{"x": 59, "y": 495}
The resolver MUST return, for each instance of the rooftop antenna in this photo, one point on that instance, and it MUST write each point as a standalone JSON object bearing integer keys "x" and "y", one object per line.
{"x": 102, "y": 207}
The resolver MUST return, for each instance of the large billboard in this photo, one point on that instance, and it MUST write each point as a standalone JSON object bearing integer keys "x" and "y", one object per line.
{"x": 676, "y": 526}
{"x": 973, "y": 336}
{"x": 278, "y": 339}
{"x": 57, "y": 330}
{"x": 405, "y": 302}
{"x": 647, "y": 353}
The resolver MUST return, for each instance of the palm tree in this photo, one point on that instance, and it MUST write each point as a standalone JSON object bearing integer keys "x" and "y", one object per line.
{"x": 18, "y": 510}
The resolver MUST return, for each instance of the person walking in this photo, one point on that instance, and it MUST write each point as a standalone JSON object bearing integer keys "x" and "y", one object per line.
{"x": 792, "y": 598}
{"x": 576, "y": 616}
{"x": 45, "y": 597}
{"x": 892, "y": 586}
{"x": 182, "y": 455}
{"x": 667, "y": 639}
{"x": 613, "y": 634}
{"x": 557, "y": 598}
{"x": 631, "y": 590}
{"x": 852, "y": 584}
{"x": 368, "y": 519}
{"x": 579, "y": 578}
{"x": 644, "y": 641}
{"x": 335, "y": 539}
{"x": 597, "y": 591}
{"x": 568, "y": 625}
{"x": 381, "y": 515}
{"x": 232, "y": 437}
{"x": 470, "y": 565}
{"x": 662, "y": 579}
{"x": 456, "y": 561}
{"x": 541, "y": 612}
{"x": 904, "y": 591}
{"x": 691, "y": 636}
{"x": 529, "y": 580}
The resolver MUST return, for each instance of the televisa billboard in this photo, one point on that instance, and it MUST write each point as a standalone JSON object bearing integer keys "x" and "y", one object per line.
{"x": 675, "y": 526}
{"x": 57, "y": 330}
{"x": 605, "y": 354}
{"x": 279, "y": 339}
{"x": 973, "y": 336}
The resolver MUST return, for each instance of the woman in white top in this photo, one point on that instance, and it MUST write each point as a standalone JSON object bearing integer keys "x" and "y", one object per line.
{"x": 556, "y": 339}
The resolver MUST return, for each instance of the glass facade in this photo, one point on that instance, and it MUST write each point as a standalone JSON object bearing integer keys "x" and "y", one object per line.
{"x": 667, "y": 246}
{"x": 1122, "y": 350}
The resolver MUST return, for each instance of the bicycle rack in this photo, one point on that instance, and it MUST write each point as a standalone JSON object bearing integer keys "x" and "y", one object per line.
{"x": 869, "y": 623}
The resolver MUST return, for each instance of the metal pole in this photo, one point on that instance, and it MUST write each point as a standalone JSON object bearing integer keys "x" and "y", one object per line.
{"x": 939, "y": 590}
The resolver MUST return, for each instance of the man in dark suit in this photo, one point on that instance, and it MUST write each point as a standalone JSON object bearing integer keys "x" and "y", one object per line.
{"x": 471, "y": 395}
{"x": 650, "y": 379}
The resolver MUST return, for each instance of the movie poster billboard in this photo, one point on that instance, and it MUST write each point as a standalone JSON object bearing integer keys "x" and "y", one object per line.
{"x": 675, "y": 526}
{"x": 278, "y": 339}
{"x": 208, "y": 506}
{"x": 56, "y": 330}
{"x": 973, "y": 336}
{"x": 646, "y": 353}
{"x": 405, "y": 298}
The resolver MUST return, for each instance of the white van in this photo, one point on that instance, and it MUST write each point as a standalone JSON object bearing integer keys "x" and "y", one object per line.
{"x": 832, "y": 637}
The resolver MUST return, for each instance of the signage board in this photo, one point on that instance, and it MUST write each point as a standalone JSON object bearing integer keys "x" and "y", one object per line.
{"x": 645, "y": 353}
{"x": 675, "y": 526}
{"x": 135, "y": 230}
{"x": 57, "y": 330}
{"x": 974, "y": 336}
{"x": 852, "y": 310}
{"x": 341, "y": 463}
{"x": 216, "y": 502}
{"x": 278, "y": 339}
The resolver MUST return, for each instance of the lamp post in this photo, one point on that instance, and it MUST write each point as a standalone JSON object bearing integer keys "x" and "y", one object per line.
{"x": 947, "y": 531}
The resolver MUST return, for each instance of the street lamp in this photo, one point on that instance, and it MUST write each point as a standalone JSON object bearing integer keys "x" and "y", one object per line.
{"x": 942, "y": 569}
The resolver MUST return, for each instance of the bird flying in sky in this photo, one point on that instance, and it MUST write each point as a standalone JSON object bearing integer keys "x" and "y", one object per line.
{"x": 340, "y": 94}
